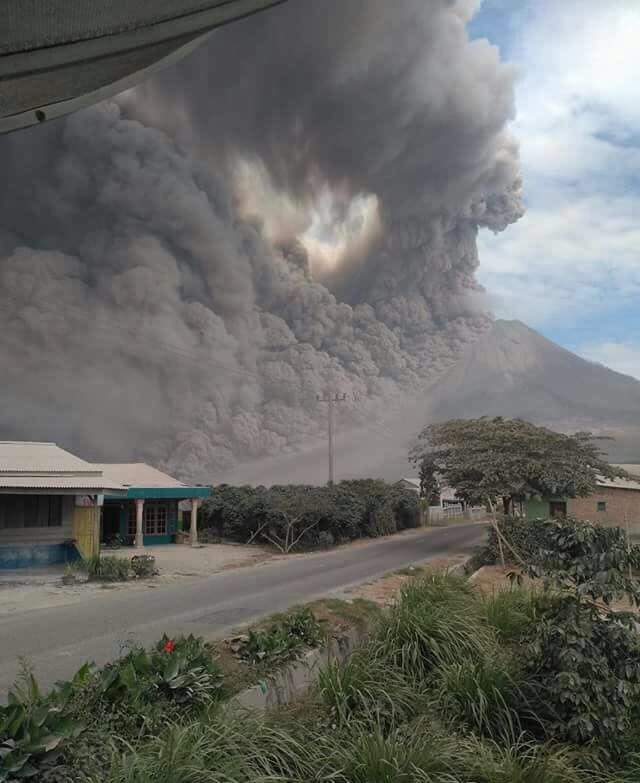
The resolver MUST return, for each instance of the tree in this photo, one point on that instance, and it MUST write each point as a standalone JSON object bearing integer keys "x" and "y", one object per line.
{"x": 291, "y": 513}
{"x": 584, "y": 656}
{"x": 486, "y": 459}
{"x": 429, "y": 484}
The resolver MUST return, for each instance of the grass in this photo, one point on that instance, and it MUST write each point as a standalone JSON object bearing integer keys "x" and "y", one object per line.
{"x": 434, "y": 696}
{"x": 366, "y": 689}
{"x": 106, "y": 568}
{"x": 480, "y": 696}
{"x": 336, "y": 612}
{"x": 435, "y": 621}
{"x": 510, "y": 612}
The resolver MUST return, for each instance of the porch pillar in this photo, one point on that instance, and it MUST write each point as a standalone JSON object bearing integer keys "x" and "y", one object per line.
{"x": 139, "y": 525}
{"x": 194, "y": 522}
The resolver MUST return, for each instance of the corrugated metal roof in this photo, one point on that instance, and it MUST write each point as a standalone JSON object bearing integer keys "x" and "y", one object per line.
{"x": 138, "y": 475}
{"x": 619, "y": 484}
{"x": 29, "y": 465}
{"x": 28, "y": 457}
{"x": 634, "y": 470}
{"x": 95, "y": 483}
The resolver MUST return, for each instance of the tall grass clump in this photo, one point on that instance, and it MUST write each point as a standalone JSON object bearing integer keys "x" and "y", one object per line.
{"x": 396, "y": 757}
{"x": 479, "y": 696}
{"x": 368, "y": 690}
{"x": 222, "y": 748}
{"x": 522, "y": 761}
{"x": 510, "y": 612}
{"x": 436, "y": 621}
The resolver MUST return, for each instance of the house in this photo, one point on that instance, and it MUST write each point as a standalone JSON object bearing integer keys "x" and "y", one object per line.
{"x": 56, "y": 508}
{"x": 447, "y": 494}
{"x": 412, "y": 484}
{"x": 615, "y": 503}
{"x": 49, "y": 505}
{"x": 147, "y": 513}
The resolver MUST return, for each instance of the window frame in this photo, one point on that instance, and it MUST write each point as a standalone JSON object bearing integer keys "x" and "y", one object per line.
{"x": 32, "y": 511}
{"x": 155, "y": 518}
{"x": 601, "y": 506}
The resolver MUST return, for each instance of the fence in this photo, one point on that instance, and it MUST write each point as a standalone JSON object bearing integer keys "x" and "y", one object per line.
{"x": 454, "y": 513}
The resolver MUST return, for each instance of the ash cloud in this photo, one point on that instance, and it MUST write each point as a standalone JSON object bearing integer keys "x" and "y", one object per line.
{"x": 150, "y": 313}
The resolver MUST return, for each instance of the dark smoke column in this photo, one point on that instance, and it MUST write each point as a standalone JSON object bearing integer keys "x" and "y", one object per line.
{"x": 371, "y": 97}
{"x": 149, "y": 316}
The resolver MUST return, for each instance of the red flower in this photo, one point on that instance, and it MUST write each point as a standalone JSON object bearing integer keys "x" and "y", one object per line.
{"x": 169, "y": 647}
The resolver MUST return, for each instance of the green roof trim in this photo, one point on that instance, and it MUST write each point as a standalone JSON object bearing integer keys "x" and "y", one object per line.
{"x": 163, "y": 493}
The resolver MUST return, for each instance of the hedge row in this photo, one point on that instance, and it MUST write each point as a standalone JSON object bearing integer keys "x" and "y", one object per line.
{"x": 331, "y": 515}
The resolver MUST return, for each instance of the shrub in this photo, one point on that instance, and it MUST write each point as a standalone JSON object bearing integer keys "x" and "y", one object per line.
{"x": 527, "y": 537}
{"x": 301, "y": 517}
{"x": 586, "y": 670}
{"x": 108, "y": 568}
{"x": 279, "y": 642}
{"x": 143, "y": 566}
{"x": 32, "y": 738}
{"x": 183, "y": 670}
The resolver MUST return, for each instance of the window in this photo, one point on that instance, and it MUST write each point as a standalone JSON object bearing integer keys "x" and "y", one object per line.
{"x": 154, "y": 519}
{"x": 602, "y": 506}
{"x": 19, "y": 511}
{"x": 131, "y": 520}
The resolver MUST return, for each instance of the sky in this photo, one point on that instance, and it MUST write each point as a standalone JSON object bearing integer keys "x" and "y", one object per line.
{"x": 571, "y": 267}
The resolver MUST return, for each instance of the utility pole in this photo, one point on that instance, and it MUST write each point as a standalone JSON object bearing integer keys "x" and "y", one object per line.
{"x": 332, "y": 400}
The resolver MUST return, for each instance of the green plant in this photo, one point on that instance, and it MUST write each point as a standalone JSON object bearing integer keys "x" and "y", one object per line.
{"x": 183, "y": 670}
{"x": 523, "y": 761}
{"x": 435, "y": 621}
{"x": 587, "y": 560}
{"x": 524, "y": 538}
{"x": 487, "y": 459}
{"x": 395, "y": 757}
{"x": 480, "y": 695}
{"x": 510, "y": 612}
{"x": 106, "y": 568}
{"x": 143, "y": 566}
{"x": 33, "y": 733}
{"x": 367, "y": 689}
{"x": 300, "y": 517}
{"x": 586, "y": 670}
{"x": 279, "y": 642}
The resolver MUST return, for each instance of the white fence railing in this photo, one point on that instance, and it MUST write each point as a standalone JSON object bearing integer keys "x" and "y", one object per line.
{"x": 453, "y": 512}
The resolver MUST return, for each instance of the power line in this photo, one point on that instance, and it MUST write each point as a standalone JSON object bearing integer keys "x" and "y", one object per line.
{"x": 331, "y": 400}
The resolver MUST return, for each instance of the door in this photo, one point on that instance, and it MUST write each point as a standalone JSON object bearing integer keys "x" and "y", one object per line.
{"x": 110, "y": 522}
{"x": 558, "y": 508}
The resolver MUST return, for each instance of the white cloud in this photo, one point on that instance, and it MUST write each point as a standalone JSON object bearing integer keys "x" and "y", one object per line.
{"x": 579, "y": 127}
{"x": 582, "y": 254}
{"x": 622, "y": 357}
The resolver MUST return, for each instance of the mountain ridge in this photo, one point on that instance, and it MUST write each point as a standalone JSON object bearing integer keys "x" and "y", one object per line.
{"x": 512, "y": 371}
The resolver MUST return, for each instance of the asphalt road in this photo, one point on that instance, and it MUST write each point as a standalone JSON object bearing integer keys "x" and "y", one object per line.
{"x": 58, "y": 641}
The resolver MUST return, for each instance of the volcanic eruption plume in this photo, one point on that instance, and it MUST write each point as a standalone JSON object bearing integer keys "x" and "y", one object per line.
{"x": 294, "y": 208}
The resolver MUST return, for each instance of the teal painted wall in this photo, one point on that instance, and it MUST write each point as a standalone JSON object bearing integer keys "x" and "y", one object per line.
{"x": 161, "y": 493}
{"x": 172, "y": 523}
{"x": 537, "y": 509}
{"x": 36, "y": 555}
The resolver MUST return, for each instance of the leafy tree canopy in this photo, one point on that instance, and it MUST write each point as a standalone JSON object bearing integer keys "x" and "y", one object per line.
{"x": 489, "y": 458}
